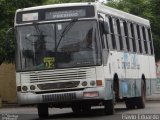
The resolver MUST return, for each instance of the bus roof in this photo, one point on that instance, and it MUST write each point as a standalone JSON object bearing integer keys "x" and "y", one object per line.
{"x": 120, "y": 14}
{"x": 99, "y": 7}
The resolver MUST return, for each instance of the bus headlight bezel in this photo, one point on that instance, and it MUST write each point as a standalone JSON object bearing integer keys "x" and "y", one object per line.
{"x": 24, "y": 88}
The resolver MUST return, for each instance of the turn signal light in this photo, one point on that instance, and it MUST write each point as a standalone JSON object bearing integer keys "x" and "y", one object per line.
{"x": 99, "y": 82}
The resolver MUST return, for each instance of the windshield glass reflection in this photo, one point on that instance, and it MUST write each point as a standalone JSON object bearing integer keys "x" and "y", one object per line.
{"x": 39, "y": 46}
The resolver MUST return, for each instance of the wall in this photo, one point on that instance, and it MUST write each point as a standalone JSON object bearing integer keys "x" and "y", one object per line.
{"x": 7, "y": 83}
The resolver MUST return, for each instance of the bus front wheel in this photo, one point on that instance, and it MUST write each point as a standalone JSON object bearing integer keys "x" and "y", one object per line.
{"x": 42, "y": 110}
{"x": 130, "y": 103}
{"x": 81, "y": 108}
{"x": 109, "y": 107}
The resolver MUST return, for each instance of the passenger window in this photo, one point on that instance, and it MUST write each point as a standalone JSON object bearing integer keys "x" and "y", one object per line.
{"x": 112, "y": 33}
{"x": 150, "y": 41}
{"x": 133, "y": 37}
{"x": 139, "y": 39}
{"x": 126, "y": 35}
{"x": 119, "y": 34}
{"x": 145, "y": 40}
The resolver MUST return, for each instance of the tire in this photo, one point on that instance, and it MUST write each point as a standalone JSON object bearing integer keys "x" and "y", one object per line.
{"x": 138, "y": 102}
{"x": 109, "y": 107}
{"x": 42, "y": 110}
{"x": 142, "y": 99}
{"x": 86, "y": 108}
{"x": 81, "y": 108}
{"x": 130, "y": 103}
{"x": 76, "y": 109}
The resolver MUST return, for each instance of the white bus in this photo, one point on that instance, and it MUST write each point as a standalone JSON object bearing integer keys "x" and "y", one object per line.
{"x": 80, "y": 55}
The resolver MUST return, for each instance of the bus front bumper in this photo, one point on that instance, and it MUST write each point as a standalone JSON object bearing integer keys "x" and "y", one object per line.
{"x": 86, "y": 94}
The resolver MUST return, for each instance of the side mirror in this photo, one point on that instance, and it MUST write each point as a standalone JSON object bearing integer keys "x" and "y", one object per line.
{"x": 104, "y": 27}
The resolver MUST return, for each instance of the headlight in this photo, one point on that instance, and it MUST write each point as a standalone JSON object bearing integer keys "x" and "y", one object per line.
{"x": 84, "y": 83}
{"x": 24, "y": 88}
{"x": 32, "y": 87}
{"x": 92, "y": 83}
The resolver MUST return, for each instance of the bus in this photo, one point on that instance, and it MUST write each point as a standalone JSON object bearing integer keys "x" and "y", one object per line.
{"x": 80, "y": 55}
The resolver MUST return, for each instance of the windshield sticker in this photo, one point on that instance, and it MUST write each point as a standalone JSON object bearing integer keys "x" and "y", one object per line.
{"x": 30, "y": 17}
{"x": 49, "y": 62}
{"x": 59, "y": 27}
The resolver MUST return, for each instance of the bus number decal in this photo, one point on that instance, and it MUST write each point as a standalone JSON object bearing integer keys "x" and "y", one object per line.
{"x": 49, "y": 62}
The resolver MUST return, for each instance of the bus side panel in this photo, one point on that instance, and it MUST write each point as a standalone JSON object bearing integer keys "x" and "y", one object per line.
{"x": 148, "y": 87}
{"x": 153, "y": 85}
{"x": 138, "y": 88}
{"x": 129, "y": 88}
{"x": 152, "y": 74}
{"x": 108, "y": 89}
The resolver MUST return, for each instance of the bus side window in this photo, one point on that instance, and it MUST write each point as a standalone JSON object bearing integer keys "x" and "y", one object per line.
{"x": 101, "y": 32}
{"x": 136, "y": 38}
{"x": 133, "y": 38}
{"x": 119, "y": 34}
{"x": 108, "y": 36}
{"x": 130, "y": 38}
{"x": 116, "y": 34}
{"x": 113, "y": 41}
{"x": 123, "y": 35}
{"x": 139, "y": 39}
{"x": 145, "y": 40}
{"x": 142, "y": 40}
{"x": 125, "y": 25}
{"x": 150, "y": 41}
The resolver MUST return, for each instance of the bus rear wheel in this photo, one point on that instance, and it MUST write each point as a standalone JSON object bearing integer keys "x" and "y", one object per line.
{"x": 42, "y": 110}
{"x": 130, "y": 103}
{"x": 142, "y": 99}
{"x": 138, "y": 102}
{"x": 109, "y": 107}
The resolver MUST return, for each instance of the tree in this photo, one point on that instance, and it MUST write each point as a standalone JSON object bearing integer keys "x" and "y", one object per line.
{"x": 148, "y": 9}
{"x": 66, "y": 1}
{"x": 155, "y": 23}
{"x": 7, "y": 10}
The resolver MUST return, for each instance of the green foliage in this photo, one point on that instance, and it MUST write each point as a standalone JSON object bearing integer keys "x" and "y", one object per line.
{"x": 66, "y": 1}
{"x": 148, "y": 9}
{"x": 7, "y": 10}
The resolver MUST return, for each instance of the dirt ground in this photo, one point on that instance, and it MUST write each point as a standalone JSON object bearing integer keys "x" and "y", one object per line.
{"x": 7, "y": 83}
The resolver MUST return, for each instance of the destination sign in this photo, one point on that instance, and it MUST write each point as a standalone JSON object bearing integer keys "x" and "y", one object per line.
{"x": 55, "y": 14}
{"x": 30, "y": 17}
{"x": 65, "y": 14}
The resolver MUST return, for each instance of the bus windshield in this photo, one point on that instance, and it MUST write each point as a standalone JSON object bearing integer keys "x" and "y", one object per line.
{"x": 55, "y": 45}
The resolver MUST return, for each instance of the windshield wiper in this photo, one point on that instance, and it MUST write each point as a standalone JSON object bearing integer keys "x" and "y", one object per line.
{"x": 66, "y": 29}
{"x": 39, "y": 32}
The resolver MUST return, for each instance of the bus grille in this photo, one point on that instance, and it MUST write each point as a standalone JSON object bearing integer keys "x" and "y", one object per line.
{"x": 58, "y": 85}
{"x": 74, "y": 74}
{"x": 59, "y": 97}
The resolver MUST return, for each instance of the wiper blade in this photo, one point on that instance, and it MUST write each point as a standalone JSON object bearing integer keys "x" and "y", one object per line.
{"x": 66, "y": 29}
{"x": 39, "y": 32}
